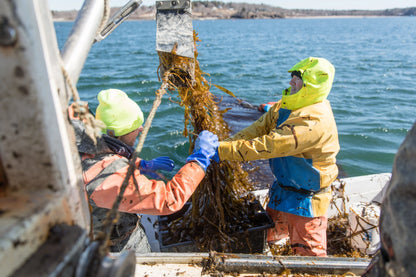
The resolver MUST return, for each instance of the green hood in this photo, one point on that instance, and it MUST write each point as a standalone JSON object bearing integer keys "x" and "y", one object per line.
{"x": 317, "y": 75}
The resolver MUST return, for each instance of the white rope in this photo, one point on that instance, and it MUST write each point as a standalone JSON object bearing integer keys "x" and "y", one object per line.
{"x": 93, "y": 126}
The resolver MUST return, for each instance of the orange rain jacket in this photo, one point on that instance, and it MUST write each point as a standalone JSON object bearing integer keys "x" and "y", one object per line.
{"x": 104, "y": 172}
{"x": 104, "y": 175}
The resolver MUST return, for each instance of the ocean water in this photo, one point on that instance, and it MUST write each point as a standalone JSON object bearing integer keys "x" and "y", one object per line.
{"x": 373, "y": 95}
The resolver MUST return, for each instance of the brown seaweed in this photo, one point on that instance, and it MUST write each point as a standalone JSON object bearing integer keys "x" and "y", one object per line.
{"x": 221, "y": 204}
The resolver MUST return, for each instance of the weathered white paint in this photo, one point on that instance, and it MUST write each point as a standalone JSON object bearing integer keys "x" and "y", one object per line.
{"x": 39, "y": 158}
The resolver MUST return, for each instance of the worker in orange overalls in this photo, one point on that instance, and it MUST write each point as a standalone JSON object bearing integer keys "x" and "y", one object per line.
{"x": 105, "y": 167}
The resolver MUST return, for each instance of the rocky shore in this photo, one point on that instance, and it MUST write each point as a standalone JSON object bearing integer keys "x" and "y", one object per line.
{"x": 221, "y": 10}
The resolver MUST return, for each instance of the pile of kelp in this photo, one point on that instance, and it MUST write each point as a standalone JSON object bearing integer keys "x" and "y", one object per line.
{"x": 220, "y": 206}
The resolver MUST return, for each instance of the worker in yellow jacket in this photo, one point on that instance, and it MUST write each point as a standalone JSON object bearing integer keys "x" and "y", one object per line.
{"x": 299, "y": 136}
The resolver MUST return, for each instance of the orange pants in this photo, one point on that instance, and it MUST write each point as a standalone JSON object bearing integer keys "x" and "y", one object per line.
{"x": 307, "y": 234}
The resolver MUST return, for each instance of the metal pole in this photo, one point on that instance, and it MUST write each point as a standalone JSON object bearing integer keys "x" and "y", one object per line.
{"x": 296, "y": 264}
{"x": 82, "y": 36}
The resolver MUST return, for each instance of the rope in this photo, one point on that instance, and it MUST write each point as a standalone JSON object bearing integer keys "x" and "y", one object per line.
{"x": 93, "y": 126}
{"x": 112, "y": 214}
{"x": 159, "y": 94}
{"x": 93, "y": 129}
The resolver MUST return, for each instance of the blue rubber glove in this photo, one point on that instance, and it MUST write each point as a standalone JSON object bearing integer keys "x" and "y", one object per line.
{"x": 161, "y": 163}
{"x": 205, "y": 147}
{"x": 216, "y": 156}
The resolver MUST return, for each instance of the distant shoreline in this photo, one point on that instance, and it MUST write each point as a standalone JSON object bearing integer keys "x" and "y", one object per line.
{"x": 294, "y": 17}
{"x": 203, "y": 10}
{"x": 339, "y": 16}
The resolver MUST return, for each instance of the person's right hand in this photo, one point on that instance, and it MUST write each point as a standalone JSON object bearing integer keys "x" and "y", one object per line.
{"x": 205, "y": 148}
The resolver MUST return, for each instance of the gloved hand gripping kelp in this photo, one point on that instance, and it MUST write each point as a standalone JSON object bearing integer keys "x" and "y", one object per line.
{"x": 205, "y": 148}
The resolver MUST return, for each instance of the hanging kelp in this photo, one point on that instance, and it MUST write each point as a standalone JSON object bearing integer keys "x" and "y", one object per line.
{"x": 220, "y": 206}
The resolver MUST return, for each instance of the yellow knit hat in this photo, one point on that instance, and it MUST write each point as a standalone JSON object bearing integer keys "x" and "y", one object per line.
{"x": 120, "y": 114}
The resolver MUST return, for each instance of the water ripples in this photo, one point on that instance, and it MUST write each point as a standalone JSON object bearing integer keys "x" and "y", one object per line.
{"x": 373, "y": 96}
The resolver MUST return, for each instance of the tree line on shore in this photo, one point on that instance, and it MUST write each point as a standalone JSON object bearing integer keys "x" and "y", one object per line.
{"x": 222, "y": 10}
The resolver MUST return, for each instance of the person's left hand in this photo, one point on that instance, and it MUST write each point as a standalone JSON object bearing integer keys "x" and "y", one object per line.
{"x": 160, "y": 163}
{"x": 216, "y": 157}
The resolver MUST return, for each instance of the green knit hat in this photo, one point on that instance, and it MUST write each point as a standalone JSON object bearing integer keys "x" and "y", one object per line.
{"x": 120, "y": 114}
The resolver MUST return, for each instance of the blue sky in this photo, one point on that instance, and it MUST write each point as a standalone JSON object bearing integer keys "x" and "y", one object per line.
{"x": 287, "y": 4}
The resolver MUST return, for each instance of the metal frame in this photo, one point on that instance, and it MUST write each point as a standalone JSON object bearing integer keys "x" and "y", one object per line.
{"x": 42, "y": 186}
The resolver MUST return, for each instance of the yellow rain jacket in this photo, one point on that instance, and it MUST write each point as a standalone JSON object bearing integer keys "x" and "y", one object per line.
{"x": 299, "y": 137}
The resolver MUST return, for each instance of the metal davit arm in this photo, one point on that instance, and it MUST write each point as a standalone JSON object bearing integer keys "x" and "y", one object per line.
{"x": 90, "y": 26}
{"x": 118, "y": 18}
{"x": 86, "y": 27}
